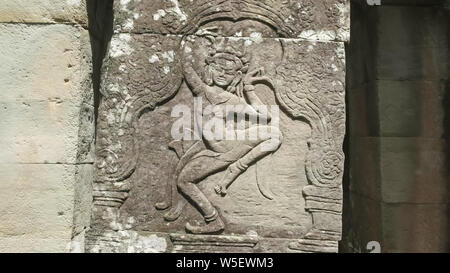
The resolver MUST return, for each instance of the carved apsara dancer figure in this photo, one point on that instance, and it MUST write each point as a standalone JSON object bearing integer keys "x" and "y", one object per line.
{"x": 226, "y": 81}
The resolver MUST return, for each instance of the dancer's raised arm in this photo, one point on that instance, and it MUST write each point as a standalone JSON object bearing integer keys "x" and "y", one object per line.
{"x": 250, "y": 80}
{"x": 194, "y": 81}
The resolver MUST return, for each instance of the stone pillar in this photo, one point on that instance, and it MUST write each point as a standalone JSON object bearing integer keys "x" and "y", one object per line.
{"x": 47, "y": 128}
{"x": 156, "y": 193}
{"x": 398, "y": 145}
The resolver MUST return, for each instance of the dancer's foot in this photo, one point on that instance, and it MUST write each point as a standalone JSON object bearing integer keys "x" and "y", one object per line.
{"x": 214, "y": 226}
{"x": 232, "y": 172}
{"x": 162, "y": 205}
{"x": 175, "y": 212}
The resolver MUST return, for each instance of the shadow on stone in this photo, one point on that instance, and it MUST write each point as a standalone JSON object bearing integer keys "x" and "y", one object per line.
{"x": 101, "y": 17}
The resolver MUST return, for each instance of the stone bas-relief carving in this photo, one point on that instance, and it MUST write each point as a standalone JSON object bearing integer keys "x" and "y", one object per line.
{"x": 154, "y": 193}
{"x": 226, "y": 81}
{"x": 306, "y": 19}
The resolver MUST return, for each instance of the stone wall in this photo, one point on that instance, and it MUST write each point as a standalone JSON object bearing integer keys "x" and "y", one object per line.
{"x": 396, "y": 186}
{"x": 51, "y": 66}
{"x": 397, "y": 182}
{"x": 47, "y": 125}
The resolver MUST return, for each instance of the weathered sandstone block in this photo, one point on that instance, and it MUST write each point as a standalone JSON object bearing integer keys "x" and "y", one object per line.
{"x": 311, "y": 19}
{"x": 279, "y": 192}
{"x": 47, "y": 129}
{"x": 43, "y": 11}
{"x": 46, "y": 92}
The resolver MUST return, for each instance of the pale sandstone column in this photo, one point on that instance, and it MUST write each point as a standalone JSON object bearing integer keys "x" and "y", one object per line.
{"x": 46, "y": 110}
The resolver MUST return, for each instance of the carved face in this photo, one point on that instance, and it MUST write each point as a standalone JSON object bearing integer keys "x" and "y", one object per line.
{"x": 224, "y": 71}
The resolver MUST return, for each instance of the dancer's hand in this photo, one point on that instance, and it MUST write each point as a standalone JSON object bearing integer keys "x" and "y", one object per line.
{"x": 253, "y": 78}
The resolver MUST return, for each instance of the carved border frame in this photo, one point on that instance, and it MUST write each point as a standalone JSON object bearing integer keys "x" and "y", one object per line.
{"x": 325, "y": 160}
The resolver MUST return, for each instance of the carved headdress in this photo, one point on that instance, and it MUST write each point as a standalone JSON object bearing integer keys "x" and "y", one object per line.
{"x": 232, "y": 50}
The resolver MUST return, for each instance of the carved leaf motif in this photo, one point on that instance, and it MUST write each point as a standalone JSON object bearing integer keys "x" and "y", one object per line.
{"x": 301, "y": 98}
{"x": 138, "y": 82}
{"x": 265, "y": 11}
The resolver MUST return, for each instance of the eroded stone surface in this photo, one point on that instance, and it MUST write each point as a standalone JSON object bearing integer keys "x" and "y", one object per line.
{"x": 37, "y": 206}
{"x": 43, "y": 11}
{"x": 311, "y": 19}
{"x": 47, "y": 132}
{"x": 45, "y": 95}
{"x": 208, "y": 195}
